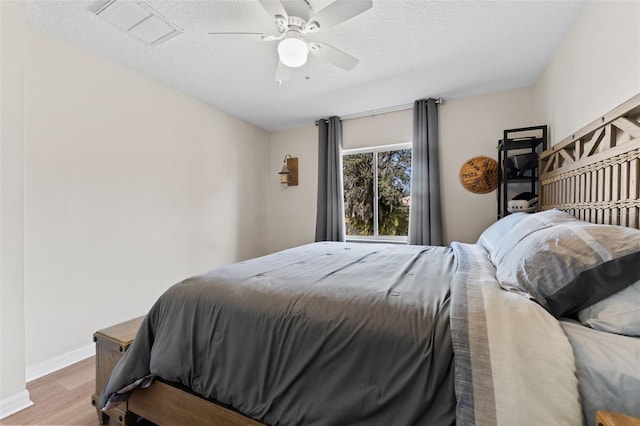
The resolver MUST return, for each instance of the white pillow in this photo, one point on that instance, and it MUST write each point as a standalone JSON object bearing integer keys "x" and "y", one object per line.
{"x": 618, "y": 313}
{"x": 491, "y": 236}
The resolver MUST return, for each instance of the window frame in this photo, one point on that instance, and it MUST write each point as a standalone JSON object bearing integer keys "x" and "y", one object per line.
{"x": 395, "y": 239}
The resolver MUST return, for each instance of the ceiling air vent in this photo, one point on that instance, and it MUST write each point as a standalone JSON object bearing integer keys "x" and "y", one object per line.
{"x": 140, "y": 20}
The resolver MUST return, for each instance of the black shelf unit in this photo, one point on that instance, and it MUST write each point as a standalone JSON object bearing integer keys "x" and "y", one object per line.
{"x": 518, "y": 141}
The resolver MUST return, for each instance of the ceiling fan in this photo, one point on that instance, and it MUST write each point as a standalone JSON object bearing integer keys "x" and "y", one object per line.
{"x": 295, "y": 21}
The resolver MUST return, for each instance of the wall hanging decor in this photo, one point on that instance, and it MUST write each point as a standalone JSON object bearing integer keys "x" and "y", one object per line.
{"x": 289, "y": 172}
{"x": 479, "y": 175}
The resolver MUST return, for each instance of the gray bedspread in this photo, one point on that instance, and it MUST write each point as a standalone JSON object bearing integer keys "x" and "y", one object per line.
{"x": 323, "y": 334}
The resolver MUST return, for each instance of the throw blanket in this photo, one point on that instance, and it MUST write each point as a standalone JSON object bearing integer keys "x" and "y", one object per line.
{"x": 514, "y": 364}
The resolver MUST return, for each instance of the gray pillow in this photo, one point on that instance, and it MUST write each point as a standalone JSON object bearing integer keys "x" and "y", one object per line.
{"x": 618, "y": 313}
{"x": 572, "y": 265}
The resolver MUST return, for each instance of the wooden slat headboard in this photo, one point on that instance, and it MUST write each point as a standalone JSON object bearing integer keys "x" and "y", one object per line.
{"x": 595, "y": 173}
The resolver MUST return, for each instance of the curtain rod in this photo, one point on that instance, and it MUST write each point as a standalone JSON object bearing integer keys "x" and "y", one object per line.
{"x": 377, "y": 112}
{"x": 381, "y": 111}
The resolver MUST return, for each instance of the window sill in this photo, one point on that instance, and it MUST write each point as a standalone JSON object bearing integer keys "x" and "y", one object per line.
{"x": 376, "y": 240}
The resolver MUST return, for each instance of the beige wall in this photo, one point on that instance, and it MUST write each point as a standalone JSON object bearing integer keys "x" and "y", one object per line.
{"x": 13, "y": 393}
{"x": 595, "y": 69}
{"x": 130, "y": 187}
{"x": 382, "y": 129}
{"x": 291, "y": 212}
{"x": 468, "y": 127}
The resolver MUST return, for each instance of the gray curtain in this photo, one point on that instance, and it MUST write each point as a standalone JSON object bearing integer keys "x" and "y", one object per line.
{"x": 330, "y": 212}
{"x": 425, "y": 213}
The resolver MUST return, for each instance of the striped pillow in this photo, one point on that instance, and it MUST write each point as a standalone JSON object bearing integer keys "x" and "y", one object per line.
{"x": 572, "y": 265}
{"x": 531, "y": 223}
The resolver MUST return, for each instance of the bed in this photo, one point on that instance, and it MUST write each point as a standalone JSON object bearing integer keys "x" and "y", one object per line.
{"x": 358, "y": 334}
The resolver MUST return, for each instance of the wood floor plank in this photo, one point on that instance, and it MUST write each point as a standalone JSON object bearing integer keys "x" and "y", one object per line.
{"x": 78, "y": 375}
{"x": 62, "y": 398}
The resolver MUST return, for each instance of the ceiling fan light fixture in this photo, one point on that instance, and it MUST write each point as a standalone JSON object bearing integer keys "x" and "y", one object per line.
{"x": 293, "y": 51}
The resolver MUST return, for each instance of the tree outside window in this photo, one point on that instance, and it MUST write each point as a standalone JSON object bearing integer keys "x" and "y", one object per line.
{"x": 377, "y": 192}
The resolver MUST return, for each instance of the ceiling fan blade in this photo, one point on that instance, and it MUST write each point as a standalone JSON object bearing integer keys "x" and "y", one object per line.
{"x": 283, "y": 73}
{"x": 340, "y": 11}
{"x": 273, "y": 7}
{"x": 335, "y": 56}
{"x": 242, "y": 37}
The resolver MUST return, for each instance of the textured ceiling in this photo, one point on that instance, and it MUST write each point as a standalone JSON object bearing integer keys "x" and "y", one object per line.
{"x": 408, "y": 49}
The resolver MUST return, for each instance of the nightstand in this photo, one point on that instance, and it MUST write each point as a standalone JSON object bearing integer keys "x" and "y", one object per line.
{"x": 609, "y": 418}
{"x": 111, "y": 344}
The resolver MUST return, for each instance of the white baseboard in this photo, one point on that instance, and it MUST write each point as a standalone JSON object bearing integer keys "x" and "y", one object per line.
{"x": 58, "y": 362}
{"x": 14, "y": 403}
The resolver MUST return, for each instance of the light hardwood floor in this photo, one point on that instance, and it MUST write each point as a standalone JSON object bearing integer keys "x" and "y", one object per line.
{"x": 61, "y": 398}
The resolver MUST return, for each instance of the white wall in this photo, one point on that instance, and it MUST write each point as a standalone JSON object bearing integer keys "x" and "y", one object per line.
{"x": 130, "y": 187}
{"x": 595, "y": 69}
{"x": 13, "y": 393}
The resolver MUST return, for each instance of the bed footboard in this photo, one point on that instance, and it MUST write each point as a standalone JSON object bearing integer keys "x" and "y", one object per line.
{"x": 164, "y": 404}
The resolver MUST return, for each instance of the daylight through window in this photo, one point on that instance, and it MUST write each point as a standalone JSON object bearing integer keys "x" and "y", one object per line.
{"x": 377, "y": 192}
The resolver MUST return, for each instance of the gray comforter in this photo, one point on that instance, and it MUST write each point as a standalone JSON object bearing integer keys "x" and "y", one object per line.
{"x": 358, "y": 334}
{"x": 323, "y": 334}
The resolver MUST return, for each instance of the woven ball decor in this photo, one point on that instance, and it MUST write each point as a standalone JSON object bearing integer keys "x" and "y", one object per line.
{"x": 479, "y": 175}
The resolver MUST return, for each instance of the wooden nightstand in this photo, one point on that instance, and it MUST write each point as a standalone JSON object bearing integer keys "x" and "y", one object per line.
{"x": 111, "y": 344}
{"x": 609, "y": 418}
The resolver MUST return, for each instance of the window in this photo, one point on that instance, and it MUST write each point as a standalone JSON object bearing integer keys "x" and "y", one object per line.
{"x": 377, "y": 192}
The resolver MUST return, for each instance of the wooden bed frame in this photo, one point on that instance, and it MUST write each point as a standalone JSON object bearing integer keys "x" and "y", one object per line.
{"x": 163, "y": 404}
{"x": 593, "y": 175}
